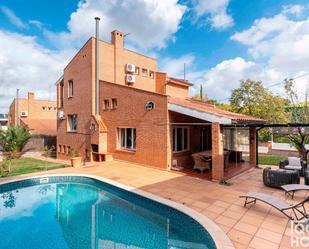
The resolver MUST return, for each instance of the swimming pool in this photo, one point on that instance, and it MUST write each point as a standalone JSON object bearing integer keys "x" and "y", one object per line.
{"x": 81, "y": 212}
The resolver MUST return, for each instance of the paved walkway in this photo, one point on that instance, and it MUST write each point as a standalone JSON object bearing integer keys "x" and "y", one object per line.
{"x": 258, "y": 226}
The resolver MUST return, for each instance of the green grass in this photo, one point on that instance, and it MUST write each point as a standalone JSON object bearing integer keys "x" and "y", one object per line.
{"x": 271, "y": 159}
{"x": 25, "y": 165}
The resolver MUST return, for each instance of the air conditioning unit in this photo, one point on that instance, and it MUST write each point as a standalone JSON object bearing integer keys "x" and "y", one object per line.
{"x": 24, "y": 114}
{"x": 130, "y": 79}
{"x": 130, "y": 68}
{"x": 60, "y": 114}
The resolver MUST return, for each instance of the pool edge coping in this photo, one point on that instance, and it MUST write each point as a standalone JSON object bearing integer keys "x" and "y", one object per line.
{"x": 218, "y": 235}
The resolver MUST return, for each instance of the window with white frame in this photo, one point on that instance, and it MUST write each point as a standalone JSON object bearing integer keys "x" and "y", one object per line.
{"x": 72, "y": 122}
{"x": 127, "y": 138}
{"x": 180, "y": 139}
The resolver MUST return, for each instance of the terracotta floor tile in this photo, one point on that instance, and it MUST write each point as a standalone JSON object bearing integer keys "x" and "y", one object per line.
{"x": 240, "y": 237}
{"x": 246, "y": 228}
{"x": 259, "y": 243}
{"x": 223, "y": 220}
{"x": 269, "y": 235}
{"x": 216, "y": 209}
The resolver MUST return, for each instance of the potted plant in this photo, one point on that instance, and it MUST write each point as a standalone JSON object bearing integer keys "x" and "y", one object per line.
{"x": 76, "y": 159}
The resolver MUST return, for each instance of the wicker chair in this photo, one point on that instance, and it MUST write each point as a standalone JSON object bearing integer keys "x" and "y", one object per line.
{"x": 276, "y": 178}
{"x": 201, "y": 163}
{"x": 284, "y": 164}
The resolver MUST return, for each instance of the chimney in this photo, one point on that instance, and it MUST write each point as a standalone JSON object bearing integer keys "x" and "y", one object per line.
{"x": 117, "y": 38}
{"x": 30, "y": 96}
{"x": 97, "y": 84}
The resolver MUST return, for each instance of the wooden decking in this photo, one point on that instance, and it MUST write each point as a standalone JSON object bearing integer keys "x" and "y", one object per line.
{"x": 232, "y": 170}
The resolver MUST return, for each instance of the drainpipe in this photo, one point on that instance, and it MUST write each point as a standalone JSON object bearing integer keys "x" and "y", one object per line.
{"x": 97, "y": 85}
{"x": 17, "y": 108}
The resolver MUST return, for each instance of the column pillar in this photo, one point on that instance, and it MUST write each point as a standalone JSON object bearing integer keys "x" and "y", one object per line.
{"x": 252, "y": 146}
{"x": 217, "y": 152}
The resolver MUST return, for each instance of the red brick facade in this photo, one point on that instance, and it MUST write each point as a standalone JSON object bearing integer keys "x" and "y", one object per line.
{"x": 122, "y": 105}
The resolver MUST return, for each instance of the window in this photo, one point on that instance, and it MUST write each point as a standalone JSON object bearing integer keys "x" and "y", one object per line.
{"x": 180, "y": 139}
{"x": 106, "y": 104}
{"x": 71, "y": 88}
{"x": 64, "y": 149}
{"x": 61, "y": 94}
{"x": 72, "y": 122}
{"x": 43, "y": 108}
{"x": 59, "y": 148}
{"x": 114, "y": 103}
{"x": 151, "y": 74}
{"x": 136, "y": 70}
{"x": 144, "y": 72}
{"x": 49, "y": 108}
{"x": 127, "y": 138}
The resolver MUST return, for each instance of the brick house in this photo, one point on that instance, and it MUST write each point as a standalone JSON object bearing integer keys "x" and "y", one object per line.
{"x": 37, "y": 115}
{"x": 144, "y": 116}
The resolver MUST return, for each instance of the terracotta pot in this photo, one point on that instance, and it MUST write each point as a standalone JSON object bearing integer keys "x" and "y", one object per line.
{"x": 76, "y": 162}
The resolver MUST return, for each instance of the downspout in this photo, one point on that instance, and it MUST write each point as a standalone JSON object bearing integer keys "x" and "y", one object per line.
{"x": 97, "y": 85}
{"x": 17, "y": 108}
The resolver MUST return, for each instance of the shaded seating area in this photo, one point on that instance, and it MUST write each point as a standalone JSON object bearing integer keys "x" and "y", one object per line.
{"x": 202, "y": 161}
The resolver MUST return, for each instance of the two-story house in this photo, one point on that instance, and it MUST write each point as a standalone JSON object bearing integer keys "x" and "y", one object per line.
{"x": 125, "y": 109}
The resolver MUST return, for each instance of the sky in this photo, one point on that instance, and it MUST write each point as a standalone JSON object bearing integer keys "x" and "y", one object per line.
{"x": 220, "y": 41}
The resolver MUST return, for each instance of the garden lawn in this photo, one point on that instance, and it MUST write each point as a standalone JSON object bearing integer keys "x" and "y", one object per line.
{"x": 25, "y": 165}
{"x": 271, "y": 159}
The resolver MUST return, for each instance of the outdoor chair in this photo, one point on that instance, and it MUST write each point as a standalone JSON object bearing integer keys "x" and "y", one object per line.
{"x": 290, "y": 189}
{"x": 275, "y": 178}
{"x": 201, "y": 163}
{"x": 298, "y": 210}
{"x": 294, "y": 163}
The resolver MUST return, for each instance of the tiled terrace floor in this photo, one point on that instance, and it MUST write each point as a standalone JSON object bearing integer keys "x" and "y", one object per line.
{"x": 258, "y": 226}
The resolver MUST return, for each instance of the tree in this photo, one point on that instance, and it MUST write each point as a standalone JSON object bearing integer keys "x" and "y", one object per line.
{"x": 14, "y": 139}
{"x": 253, "y": 99}
{"x": 299, "y": 113}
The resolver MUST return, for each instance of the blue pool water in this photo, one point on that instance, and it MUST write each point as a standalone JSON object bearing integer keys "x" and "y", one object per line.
{"x": 79, "y": 212}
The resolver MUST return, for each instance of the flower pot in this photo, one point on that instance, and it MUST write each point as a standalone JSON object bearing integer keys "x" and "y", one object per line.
{"x": 76, "y": 162}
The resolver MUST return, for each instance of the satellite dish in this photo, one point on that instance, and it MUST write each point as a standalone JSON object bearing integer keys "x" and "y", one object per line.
{"x": 149, "y": 105}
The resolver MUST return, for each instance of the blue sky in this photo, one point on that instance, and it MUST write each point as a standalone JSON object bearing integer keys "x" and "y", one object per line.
{"x": 221, "y": 41}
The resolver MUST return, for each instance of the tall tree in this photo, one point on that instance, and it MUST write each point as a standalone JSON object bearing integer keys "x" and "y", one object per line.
{"x": 252, "y": 98}
{"x": 299, "y": 113}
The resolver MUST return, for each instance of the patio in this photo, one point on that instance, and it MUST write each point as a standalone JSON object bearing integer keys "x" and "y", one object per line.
{"x": 258, "y": 226}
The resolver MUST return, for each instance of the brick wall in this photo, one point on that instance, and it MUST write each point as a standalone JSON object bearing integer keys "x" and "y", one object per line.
{"x": 79, "y": 70}
{"x": 151, "y": 126}
{"x": 217, "y": 152}
{"x": 36, "y": 108}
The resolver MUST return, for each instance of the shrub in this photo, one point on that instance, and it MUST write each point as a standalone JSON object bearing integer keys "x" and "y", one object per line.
{"x": 14, "y": 139}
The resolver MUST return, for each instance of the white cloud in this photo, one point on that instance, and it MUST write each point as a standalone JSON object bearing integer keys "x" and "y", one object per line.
{"x": 13, "y": 18}
{"x": 215, "y": 12}
{"x": 225, "y": 76}
{"x": 295, "y": 9}
{"x": 152, "y": 23}
{"x": 278, "y": 46}
{"x": 282, "y": 41}
{"x": 26, "y": 65}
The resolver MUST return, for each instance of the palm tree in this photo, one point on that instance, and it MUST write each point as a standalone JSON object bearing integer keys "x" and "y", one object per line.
{"x": 14, "y": 139}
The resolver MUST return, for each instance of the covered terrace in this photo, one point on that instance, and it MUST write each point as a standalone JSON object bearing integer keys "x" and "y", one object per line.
{"x": 209, "y": 142}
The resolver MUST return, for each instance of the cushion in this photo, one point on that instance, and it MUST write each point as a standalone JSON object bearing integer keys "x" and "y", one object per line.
{"x": 293, "y": 167}
{"x": 294, "y": 161}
